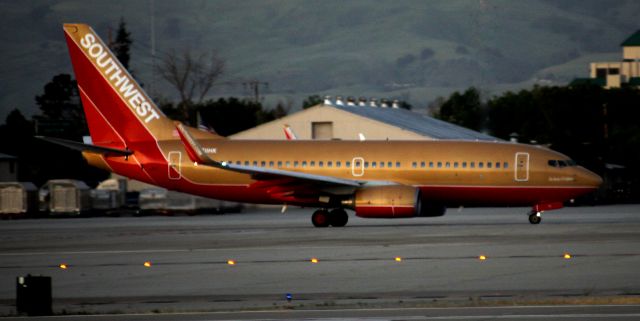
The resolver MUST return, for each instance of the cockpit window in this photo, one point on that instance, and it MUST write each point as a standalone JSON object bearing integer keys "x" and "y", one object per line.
{"x": 561, "y": 163}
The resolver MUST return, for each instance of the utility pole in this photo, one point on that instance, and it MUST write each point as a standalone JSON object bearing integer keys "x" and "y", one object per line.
{"x": 254, "y": 87}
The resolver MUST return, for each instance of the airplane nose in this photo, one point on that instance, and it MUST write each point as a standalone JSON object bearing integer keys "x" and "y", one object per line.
{"x": 590, "y": 178}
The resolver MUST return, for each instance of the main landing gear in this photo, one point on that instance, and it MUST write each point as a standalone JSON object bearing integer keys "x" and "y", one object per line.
{"x": 336, "y": 218}
{"x": 535, "y": 217}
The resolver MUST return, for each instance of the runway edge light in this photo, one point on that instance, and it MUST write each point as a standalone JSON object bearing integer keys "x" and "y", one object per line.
{"x": 231, "y": 262}
{"x": 314, "y": 260}
{"x": 567, "y": 256}
{"x": 63, "y": 266}
{"x": 482, "y": 257}
{"x": 147, "y": 264}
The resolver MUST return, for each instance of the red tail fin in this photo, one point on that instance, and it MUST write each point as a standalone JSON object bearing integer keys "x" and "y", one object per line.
{"x": 118, "y": 111}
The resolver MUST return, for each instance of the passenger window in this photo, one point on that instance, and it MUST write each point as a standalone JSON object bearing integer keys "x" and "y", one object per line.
{"x": 389, "y": 164}
{"x": 439, "y": 164}
{"x": 338, "y": 164}
{"x": 414, "y": 165}
{"x": 464, "y": 164}
{"x": 320, "y": 164}
{"x": 431, "y": 164}
{"x": 263, "y": 163}
{"x": 422, "y": 164}
{"x": 287, "y": 164}
{"x": 304, "y": 164}
{"x": 472, "y": 164}
{"x": 295, "y": 164}
{"x": 497, "y": 164}
{"x": 505, "y": 165}
{"x": 246, "y": 163}
{"x": 271, "y": 164}
{"x": 447, "y": 165}
{"x": 398, "y": 164}
{"x": 329, "y": 164}
{"x": 480, "y": 165}
{"x": 381, "y": 164}
{"x": 255, "y": 163}
{"x": 347, "y": 164}
{"x": 373, "y": 164}
{"x": 313, "y": 164}
{"x": 455, "y": 165}
{"x": 279, "y": 163}
{"x": 366, "y": 164}
{"x": 553, "y": 163}
{"x": 489, "y": 164}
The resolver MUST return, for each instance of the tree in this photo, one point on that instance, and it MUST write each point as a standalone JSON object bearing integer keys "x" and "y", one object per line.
{"x": 121, "y": 46}
{"x": 191, "y": 75}
{"x": 311, "y": 101}
{"x": 464, "y": 109}
{"x": 60, "y": 106}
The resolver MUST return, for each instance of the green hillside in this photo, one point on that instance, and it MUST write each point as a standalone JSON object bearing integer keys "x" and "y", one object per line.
{"x": 411, "y": 49}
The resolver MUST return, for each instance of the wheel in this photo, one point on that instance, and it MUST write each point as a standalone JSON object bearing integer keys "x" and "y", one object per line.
{"x": 320, "y": 218}
{"x": 338, "y": 217}
{"x": 535, "y": 218}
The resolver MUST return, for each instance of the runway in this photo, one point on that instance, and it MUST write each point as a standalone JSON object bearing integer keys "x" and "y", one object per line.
{"x": 370, "y": 264}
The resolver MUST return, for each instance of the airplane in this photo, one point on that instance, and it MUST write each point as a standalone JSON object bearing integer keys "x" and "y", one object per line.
{"x": 130, "y": 136}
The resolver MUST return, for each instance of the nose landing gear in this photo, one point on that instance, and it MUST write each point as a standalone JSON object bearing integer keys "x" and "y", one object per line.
{"x": 535, "y": 217}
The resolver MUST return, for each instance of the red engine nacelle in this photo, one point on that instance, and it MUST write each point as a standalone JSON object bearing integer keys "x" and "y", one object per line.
{"x": 387, "y": 202}
{"x": 393, "y": 202}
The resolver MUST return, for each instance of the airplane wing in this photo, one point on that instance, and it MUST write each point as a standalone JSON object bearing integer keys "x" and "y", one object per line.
{"x": 196, "y": 154}
{"x": 87, "y": 147}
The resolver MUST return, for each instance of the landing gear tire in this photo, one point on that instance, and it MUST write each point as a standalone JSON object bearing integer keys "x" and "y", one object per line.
{"x": 338, "y": 218}
{"x": 320, "y": 218}
{"x": 535, "y": 218}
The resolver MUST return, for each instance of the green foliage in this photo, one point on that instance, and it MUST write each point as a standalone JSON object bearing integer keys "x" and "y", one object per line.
{"x": 311, "y": 101}
{"x": 228, "y": 116}
{"x": 121, "y": 46}
{"x": 464, "y": 109}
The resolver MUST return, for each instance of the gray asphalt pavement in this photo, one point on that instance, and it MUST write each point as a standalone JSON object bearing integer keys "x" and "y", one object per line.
{"x": 439, "y": 261}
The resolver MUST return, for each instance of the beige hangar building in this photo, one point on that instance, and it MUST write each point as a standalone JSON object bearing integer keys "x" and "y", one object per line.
{"x": 332, "y": 120}
{"x": 615, "y": 74}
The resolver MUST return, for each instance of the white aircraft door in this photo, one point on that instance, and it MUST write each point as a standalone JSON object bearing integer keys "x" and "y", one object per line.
{"x": 357, "y": 166}
{"x": 522, "y": 167}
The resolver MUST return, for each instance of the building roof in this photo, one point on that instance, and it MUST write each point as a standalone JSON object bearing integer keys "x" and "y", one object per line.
{"x": 588, "y": 81}
{"x": 6, "y": 156}
{"x": 634, "y": 81}
{"x": 633, "y": 40}
{"x": 418, "y": 123}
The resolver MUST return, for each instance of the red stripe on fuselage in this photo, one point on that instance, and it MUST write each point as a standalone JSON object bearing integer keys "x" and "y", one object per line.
{"x": 501, "y": 195}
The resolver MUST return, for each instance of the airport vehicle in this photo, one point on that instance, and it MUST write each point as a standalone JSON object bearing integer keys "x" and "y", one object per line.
{"x": 376, "y": 179}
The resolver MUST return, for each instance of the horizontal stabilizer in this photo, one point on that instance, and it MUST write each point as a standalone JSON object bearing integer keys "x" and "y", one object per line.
{"x": 87, "y": 147}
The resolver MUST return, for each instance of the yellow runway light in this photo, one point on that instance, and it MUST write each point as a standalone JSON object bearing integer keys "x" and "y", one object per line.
{"x": 567, "y": 256}
{"x": 314, "y": 260}
{"x": 231, "y": 262}
{"x": 147, "y": 264}
{"x": 64, "y": 266}
{"x": 482, "y": 257}
{"x": 398, "y": 259}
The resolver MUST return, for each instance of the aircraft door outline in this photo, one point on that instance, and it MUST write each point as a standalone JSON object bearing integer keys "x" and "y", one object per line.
{"x": 175, "y": 163}
{"x": 357, "y": 166}
{"x": 521, "y": 167}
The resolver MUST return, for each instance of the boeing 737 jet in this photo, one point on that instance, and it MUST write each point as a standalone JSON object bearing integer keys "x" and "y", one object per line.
{"x": 376, "y": 179}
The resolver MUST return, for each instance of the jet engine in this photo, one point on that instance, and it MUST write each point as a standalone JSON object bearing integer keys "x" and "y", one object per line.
{"x": 393, "y": 202}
